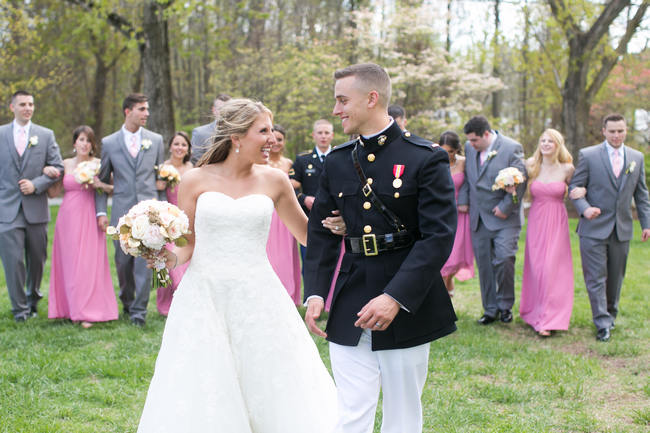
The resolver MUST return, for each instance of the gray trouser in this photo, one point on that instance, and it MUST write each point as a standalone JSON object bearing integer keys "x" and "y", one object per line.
{"x": 495, "y": 256}
{"x": 135, "y": 282}
{"x": 23, "y": 250}
{"x": 603, "y": 267}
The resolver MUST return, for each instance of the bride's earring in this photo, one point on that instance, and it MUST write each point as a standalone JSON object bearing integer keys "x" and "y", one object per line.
{"x": 237, "y": 149}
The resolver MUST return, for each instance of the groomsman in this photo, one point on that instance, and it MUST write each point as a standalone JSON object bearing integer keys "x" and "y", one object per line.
{"x": 201, "y": 134}
{"x": 130, "y": 155}
{"x": 495, "y": 218}
{"x": 24, "y": 213}
{"x": 396, "y": 197}
{"x": 613, "y": 174}
{"x": 398, "y": 113}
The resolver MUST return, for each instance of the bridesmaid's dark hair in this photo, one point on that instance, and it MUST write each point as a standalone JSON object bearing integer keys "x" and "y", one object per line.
{"x": 187, "y": 140}
{"x": 451, "y": 139}
{"x": 280, "y": 129}
{"x": 90, "y": 135}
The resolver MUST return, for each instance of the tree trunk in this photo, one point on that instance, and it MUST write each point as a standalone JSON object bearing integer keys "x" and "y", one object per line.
{"x": 99, "y": 92}
{"x": 497, "y": 96}
{"x": 575, "y": 102}
{"x": 157, "y": 70}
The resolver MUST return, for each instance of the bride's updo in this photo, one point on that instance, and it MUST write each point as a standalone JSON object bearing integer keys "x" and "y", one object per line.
{"x": 235, "y": 117}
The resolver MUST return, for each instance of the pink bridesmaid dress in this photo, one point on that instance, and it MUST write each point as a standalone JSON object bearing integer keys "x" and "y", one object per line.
{"x": 328, "y": 302}
{"x": 547, "y": 285}
{"x": 164, "y": 295}
{"x": 461, "y": 260}
{"x": 282, "y": 251}
{"x": 81, "y": 288}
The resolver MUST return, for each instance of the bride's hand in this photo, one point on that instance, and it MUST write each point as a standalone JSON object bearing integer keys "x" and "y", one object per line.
{"x": 577, "y": 192}
{"x": 171, "y": 260}
{"x": 335, "y": 223}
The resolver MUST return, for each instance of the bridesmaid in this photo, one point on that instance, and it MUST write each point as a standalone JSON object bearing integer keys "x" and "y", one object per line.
{"x": 281, "y": 246}
{"x": 461, "y": 260}
{"x": 81, "y": 288}
{"x": 547, "y": 285}
{"x": 180, "y": 152}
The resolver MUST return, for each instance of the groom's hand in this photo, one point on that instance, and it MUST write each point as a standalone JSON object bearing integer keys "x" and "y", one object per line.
{"x": 377, "y": 314}
{"x": 314, "y": 309}
{"x": 591, "y": 213}
{"x": 645, "y": 235}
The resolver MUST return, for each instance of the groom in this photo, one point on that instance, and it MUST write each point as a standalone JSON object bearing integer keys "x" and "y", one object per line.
{"x": 130, "y": 155}
{"x": 396, "y": 197}
{"x": 26, "y": 148}
{"x": 613, "y": 174}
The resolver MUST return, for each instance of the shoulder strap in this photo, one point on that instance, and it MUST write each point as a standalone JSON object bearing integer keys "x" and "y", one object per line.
{"x": 370, "y": 194}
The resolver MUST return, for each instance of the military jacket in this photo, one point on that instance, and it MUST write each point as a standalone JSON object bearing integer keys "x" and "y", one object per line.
{"x": 307, "y": 170}
{"x": 423, "y": 199}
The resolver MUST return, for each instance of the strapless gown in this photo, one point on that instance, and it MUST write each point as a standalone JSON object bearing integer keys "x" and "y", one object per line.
{"x": 461, "y": 260}
{"x": 547, "y": 282}
{"x": 235, "y": 356}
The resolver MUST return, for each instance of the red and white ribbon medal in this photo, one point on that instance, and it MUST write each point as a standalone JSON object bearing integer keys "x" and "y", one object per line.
{"x": 398, "y": 171}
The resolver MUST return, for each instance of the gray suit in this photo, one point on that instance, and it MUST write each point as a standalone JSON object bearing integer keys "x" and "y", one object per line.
{"x": 24, "y": 218}
{"x": 201, "y": 140}
{"x": 494, "y": 240}
{"x": 605, "y": 240}
{"x": 134, "y": 180}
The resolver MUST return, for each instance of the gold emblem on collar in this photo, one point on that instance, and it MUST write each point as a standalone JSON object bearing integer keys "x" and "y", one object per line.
{"x": 381, "y": 140}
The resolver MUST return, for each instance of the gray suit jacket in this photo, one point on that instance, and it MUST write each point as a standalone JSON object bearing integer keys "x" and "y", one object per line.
{"x": 134, "y": 179}
{"x": 613, "y": 196}
{"x": 201, "y": 140}
{"x": 477, "y": 192}
{"x": 12, "y": 169}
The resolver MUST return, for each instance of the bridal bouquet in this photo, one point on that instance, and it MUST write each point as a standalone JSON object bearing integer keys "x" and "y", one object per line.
{"x": 507, "y": 178}
{"x": 85, "y": 172}
{"x": 145, "y": 230}
{"x": 169, "y": 174}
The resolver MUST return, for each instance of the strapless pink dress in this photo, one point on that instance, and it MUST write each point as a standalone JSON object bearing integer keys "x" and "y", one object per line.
{"x": 282, "y": 251}
{"x": 461, "y": 260}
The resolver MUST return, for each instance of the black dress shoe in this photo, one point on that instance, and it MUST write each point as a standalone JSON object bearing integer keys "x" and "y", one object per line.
{"x": 506, "y": 316}
{"x": 486, "y": 320}
{"x": 611, "y": 328}
{"x": 602, "y": 334}
{"x": 20, "y": 319}
{"x": 137, "y": 322}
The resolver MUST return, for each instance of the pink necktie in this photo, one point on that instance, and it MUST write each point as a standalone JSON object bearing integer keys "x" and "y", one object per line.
{"x": 616, "y": 163}
{"x": 133, "y": 147}
{"x": 483, "y": 156}
{"x": 21, "y": 144}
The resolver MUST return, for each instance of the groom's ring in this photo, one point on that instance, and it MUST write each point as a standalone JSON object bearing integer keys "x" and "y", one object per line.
{"x": 377, "y": 325}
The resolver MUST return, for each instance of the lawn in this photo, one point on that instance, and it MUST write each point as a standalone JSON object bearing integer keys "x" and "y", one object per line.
{"x": 56, "y": 376}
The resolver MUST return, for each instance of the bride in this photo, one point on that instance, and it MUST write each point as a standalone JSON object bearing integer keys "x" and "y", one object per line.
{"x": 235, "y": 355}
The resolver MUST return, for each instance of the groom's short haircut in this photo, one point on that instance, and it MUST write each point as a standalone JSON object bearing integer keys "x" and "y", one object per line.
{"x": 612, "y": 117}
{"x": 132, "y": 99}
{"x": 20, "y": 93}
{"x": 478, "y": 125}
{"x": 370, "y": 76}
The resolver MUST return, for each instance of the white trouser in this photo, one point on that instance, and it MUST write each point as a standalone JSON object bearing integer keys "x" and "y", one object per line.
{"x": 359, "y": 373}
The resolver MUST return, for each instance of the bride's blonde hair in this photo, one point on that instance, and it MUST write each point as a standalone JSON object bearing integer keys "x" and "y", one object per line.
{"x": 235, "y": 117}
{"x": 561, "y": 153}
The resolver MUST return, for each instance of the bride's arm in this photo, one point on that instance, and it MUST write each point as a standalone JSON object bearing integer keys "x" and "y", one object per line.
{"x": 188, "y": 192}
{"x": 288, "y": 208}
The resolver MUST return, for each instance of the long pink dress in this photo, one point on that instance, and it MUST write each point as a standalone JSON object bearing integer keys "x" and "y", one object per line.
{"x": 461, "y": 260}
{"x": 81, "y": 288}
{"x": 282, "y": 251}
{"x": 547, "y": 285}
{"x": 164, "y": 295}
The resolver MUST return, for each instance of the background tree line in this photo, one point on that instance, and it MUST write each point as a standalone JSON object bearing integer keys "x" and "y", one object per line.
{"x": 566, "y": 64}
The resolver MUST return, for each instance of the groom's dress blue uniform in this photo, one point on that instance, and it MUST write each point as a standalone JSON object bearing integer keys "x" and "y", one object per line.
{"x": 425, "y": 204}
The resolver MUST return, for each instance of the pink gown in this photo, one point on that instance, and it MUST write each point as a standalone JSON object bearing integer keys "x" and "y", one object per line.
{"x": 282, "y": 251}
{"x": 81, "y": 288}
{"x": 461, "y": 260}
{"x": 547, "y": 285}
{"x": 164, "y": 295}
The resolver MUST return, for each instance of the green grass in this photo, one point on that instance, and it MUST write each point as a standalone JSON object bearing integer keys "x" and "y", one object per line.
{"x": 58, "y": 377}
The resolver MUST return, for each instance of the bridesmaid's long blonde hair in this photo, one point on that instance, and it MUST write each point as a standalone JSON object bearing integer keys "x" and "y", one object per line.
{"x": 561, "y": 154}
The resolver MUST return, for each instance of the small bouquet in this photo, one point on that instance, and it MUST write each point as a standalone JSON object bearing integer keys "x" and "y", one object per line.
{"x": 85, "y": 172}
{"x": 507, "y": 178}
{"x": 145, "y": 230}
{"x": 169, "y": 174}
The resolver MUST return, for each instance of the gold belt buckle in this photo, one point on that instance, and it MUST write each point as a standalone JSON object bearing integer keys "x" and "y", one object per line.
{"x": 369, "y": 244}
{"x": 366, "y": 190}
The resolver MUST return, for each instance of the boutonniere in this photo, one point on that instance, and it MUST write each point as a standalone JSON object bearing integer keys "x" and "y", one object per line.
{"x": 33, "y": 141}
{"x": 631, "y": 167}
{"x": 146, "y": 144}
{"x": 491, "y": 154}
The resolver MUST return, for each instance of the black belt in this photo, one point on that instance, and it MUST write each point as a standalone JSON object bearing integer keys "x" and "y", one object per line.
{"x": 372, "y": 244}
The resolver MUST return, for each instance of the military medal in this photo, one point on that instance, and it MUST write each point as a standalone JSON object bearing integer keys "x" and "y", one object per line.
{"x": 398, "y": 170}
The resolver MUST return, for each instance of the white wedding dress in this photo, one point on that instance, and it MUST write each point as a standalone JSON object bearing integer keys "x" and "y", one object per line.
{"x": 235, "y": 356}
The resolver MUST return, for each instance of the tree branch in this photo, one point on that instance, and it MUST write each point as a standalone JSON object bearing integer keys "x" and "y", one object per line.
{"x": 552, "y": 60}
{"x": 602, "y": 24}
{"x": 563, "y": 16}
{"x": 120, "y": 23}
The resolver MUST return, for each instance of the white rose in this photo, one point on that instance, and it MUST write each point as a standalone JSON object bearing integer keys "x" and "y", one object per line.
{"x": 110, "y": 230}
{"x": 166, "y": 218}
{"x": 140, "y": 226}
{"x": 154, "y": 238}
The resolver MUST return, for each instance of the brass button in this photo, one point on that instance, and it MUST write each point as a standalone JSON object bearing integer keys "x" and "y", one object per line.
{"x": 340, "y": 194}
{"x": 308, "y": 174}
{"x": 366, "y": 205}
{"x": 396, "y": 195}
{"x": 310, "y": 166}
{"x": 367, "y": 229}
{"x": 371, "y": 157}
{"x": 369, "y": 180}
